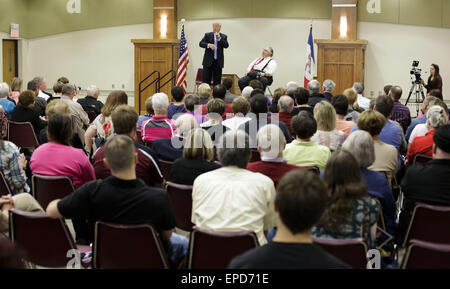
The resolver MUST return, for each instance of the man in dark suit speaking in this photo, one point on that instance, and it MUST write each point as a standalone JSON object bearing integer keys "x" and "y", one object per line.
{"x": 214, "y": 43}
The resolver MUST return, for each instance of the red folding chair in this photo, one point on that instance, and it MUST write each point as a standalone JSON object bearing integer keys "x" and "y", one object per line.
{"x": 214, "y": 250}
{"x": 429, "y": 223}
{"x": 48, "y": 188}
{"x": 166, "y": 168}
{"x": 45, "y": 241}
{"x": 22, "y": 134}
{"x": 199, "y": 79}
{"x": 181, "y": 198}
{"x": 128, "y": 247}
{"x": 350, "y": 251}
{"x": 426, "y": 255}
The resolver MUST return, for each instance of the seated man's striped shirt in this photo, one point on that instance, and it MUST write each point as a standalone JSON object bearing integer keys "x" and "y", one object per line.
{"x": 157, "y": 127}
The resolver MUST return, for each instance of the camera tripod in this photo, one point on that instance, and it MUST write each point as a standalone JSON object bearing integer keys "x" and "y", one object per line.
{"x": 417, "y": 88}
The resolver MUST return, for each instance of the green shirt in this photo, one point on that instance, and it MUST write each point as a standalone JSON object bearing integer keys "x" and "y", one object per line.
{"x": 306, "y": 154}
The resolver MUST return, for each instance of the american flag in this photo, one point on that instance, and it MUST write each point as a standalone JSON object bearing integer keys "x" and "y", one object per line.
{"x": 183, "y": 62}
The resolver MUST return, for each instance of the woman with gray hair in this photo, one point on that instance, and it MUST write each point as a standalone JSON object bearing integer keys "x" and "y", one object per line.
{"x": 328, "y": 87}
{"x": 436, "y": 118}
{"x": 360, "y": 144}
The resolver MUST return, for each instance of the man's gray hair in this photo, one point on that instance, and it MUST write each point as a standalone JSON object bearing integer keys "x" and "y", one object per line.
{"x": 4, "y": 90}
{"x": 185, "y": 123}
{"x": 247, "y": 91}
{"x": 314, "y": 86}
{"x": 437, "y": 116}
{"x": 160, "y": 102}
{"x": 39, "y": 80}
{"x": 271, "y": 140}
{"x": 68, "y": 89}
{"x": 329, "y": 85}
{"x": 286, "y": 103}
{"x": 270, "y": 49}
{"x": 234, "y": 149}
{"x": 358, "y": 87}
{"x": 360, "y": 145}
{"x": 92, "y": 90}
{"x": 119, "y": 152}
{"x": 291, "y": 84}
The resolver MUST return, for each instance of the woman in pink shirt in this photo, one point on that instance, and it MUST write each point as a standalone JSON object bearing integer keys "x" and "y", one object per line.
{"x": 58, "y": 158}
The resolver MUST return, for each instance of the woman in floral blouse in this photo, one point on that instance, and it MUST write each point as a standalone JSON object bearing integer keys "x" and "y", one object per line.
{"x": 102, "y": 126}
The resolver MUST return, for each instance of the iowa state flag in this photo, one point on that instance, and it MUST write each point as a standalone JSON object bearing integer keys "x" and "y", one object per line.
{"x": 310, "y": 60}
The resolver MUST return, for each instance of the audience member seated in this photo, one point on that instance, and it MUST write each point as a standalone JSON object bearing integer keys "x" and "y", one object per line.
{"x": 204, "y": 93}
{"x": 123, "y": 199}
{"x": 170, "y": 149}
{"x": 259, "y": 118}
{"x": 426, "y": 104}
{"x": 301, "y": 199}
{"x": 303, "y": 151}
{"x": 148, "y": 115}
{"x": 90, "y": 102}
{"x": 351, "y": 213}
{"x": 8, "y": 106}
{"x": 257, "y": 84}
{"x": 352, "y": 113}
{"x": 57, "y": 157}
{"x": 400, "y": 112}
{"x": 219, "y": 92}
{"x": 147, "y": 168}
{"x": 176, "y": 107}
{"x": 229, "y": 97}
{"x": 240, "y": 108}
{"x": 197, "y": 159}
{"x": 340, "y": 104}
{"x": 191, "y": 103}
{"x": 301, "y": 97}
{"x": 363, "y": 102}
{"x": 214, "y": 126}
{"x": 315, "y": 95}
{"x": 59, "y": 106}
{"x": 79, "y": 116}
{"x": 427, "y": 183}
{"x": 386, "y": 89}
{"x": 42, "y": 85}
{"x": 16, "y": 88}
{"x": 360, "y": 144}
{"x": 12, "y": 165}
{"x": 285, "y": 108}
{"x": 232, "y": 198}
{"x": 386, "y": 156}
{"x": 40, "y": 103}
{"x": 277, "y": 93}
{"x": 247, "y": 92}
{"x": 158, "y": 126}
{"x": 421, "y": 129}
{"x": 436, "y": 118}
{"x": 102, "y": 127}
{"x": 23, "y": 202}
{"x": 24, "y": 111}
{"x": 328, "y": 87}
{"x": 327, "y": 134}
{"x": 57, "y": 92}
{"x": 271, "y": 143}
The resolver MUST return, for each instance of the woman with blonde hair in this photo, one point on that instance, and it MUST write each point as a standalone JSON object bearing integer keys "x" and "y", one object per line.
{"x": 204, "y": 93}
{"x": 198, "y": 155}
{"x": 353, "y": 107}
{"x": 327, "y": 134}
{"x": 16, "y": 87}
{"x": 102, "y": 126}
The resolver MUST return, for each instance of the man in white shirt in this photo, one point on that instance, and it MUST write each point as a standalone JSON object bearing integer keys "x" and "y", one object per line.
{"x": 362, "y": 101}
{"x": 231, "y": 198}
{"x": 261, "y": 68}
{"x": 42, "y": 87}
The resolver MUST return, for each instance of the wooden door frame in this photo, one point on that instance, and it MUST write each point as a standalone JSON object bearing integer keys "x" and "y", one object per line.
{"x": 16, "y": 58}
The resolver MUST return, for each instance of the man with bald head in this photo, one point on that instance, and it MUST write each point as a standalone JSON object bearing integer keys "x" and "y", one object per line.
{"x": 400, "y": 112}
{"x": 214, "y": 43}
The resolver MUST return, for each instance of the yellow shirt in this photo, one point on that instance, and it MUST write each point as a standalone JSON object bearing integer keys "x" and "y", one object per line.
{"x": 232, "y": 199}
{"x": 306, "y": 154}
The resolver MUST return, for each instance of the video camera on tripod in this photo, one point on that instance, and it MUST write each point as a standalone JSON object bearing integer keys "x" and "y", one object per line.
{"x": 416, "y": 71}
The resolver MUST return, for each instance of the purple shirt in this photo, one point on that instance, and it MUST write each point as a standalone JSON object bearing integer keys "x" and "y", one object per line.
{"x": 401, "y": 114}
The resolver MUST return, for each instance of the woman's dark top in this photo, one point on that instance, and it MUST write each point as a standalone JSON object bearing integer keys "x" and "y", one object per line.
{"x": 434, "y": 84}
{"x": 185, "y": 171}
{"x": 25, "y": 114}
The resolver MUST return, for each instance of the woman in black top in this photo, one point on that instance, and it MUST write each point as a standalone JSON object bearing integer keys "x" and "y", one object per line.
{"x": 434, "y": 80}
{"x": 24, "y": 111}
{"x": 198, "y": 154}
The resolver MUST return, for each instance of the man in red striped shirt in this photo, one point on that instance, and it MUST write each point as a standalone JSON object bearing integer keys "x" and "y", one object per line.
{"x": 159, "y": 126}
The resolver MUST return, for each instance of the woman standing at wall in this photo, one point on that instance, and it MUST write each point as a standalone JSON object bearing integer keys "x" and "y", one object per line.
{"x": 434, "y": 80}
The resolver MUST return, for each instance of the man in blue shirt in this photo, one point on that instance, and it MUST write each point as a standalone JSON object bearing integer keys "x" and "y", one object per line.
{"x": 8, "y": 106}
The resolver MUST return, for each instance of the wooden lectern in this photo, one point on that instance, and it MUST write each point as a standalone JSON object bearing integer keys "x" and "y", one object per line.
{"x": 158, "y": 54}
{"x": 342, "y": 58}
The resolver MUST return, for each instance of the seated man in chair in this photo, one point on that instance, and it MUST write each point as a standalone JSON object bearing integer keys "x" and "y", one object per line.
{"x": 261, "y": 68}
